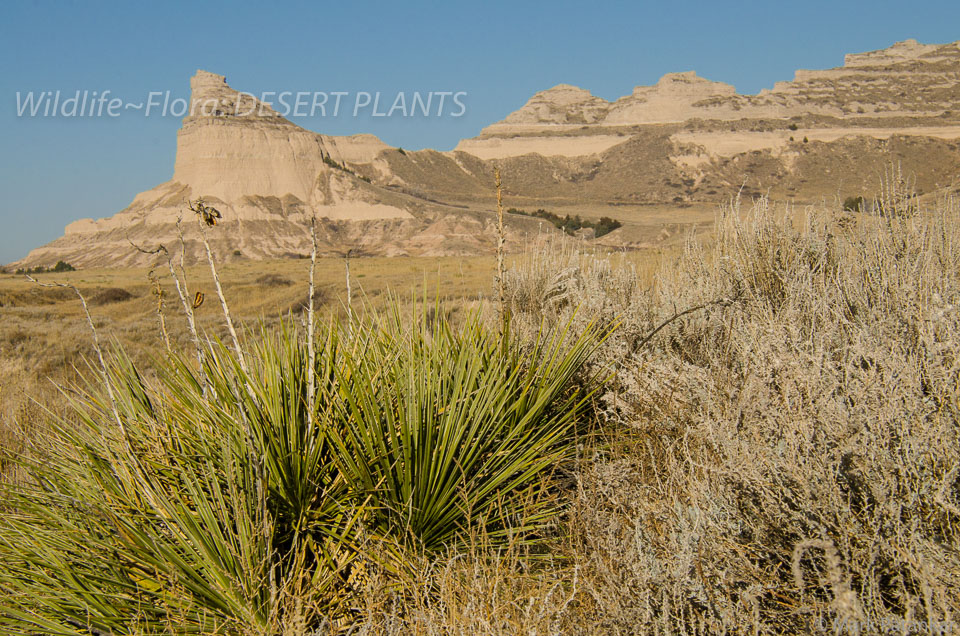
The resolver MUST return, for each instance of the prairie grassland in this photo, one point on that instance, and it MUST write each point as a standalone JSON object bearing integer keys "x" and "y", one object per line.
{"x": 45, "y": 341}
{"x": 774, "y": 449}
{"x": 44, "y": 337}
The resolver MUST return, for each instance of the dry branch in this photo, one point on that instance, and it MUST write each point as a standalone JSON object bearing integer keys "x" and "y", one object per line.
{"x": 96, "y": 346}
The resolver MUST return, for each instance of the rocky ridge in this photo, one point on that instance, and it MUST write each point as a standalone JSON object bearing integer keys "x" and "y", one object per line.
{"x": 267, "y": 177}
{"x": 684, "y": 141}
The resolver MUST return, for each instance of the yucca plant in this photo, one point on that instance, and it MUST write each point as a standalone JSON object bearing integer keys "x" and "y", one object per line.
{"x": 218, "y": 515}
{"x": 447, "y": 430}
{"x": 209, "y": 502}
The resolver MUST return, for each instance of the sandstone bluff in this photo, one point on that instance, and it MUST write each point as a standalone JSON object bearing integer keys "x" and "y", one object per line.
{"x": 684, "y": 141}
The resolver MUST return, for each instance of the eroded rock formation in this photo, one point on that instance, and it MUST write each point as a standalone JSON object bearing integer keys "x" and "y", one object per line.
{"x": 685, "y": 140}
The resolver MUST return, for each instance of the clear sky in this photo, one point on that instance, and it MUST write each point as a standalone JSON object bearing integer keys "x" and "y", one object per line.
{"x": 56, "y": 170}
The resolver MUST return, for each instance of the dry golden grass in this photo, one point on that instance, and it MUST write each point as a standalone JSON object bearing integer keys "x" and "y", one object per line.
{"x": 38, "y": 321}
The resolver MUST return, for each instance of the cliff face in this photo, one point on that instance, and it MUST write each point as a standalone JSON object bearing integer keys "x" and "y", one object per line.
{"x": 257, "y": 168}
{"x": 229, "y": 147}
{"x": 687, "y": 139}
{"x": 562, "y": 104}
{"x": 231, "y": 144}
{"x": 671, "y": 99}
{"x": 684, "y": 140}
{"x": 908, "y": 79}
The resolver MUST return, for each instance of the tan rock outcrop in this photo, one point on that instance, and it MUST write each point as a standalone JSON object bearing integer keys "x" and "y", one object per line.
{"x": 906, "y": 80}
{"x": 562, "y": 104}
{"x": 685, "y": 140}
{"x": 674, "y": 98}
{"x": 253, "y": 165}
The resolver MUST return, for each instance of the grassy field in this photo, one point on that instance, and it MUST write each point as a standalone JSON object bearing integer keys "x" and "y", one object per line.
{"x": 45, "y": 340}
{"x": 44, "y": 336}
{"x": 763, "y": 439}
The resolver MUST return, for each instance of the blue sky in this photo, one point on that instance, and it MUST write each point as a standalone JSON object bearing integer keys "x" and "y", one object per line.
{"x": 54, "y": 171}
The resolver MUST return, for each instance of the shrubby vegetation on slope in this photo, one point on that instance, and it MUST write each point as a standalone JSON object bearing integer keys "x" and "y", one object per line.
{"x": 571, "y": 224}
{"x": 40, "y": 269}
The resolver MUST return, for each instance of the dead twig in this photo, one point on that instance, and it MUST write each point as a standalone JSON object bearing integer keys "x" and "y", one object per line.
{"x": 500, "y": 245}
{"x": 183, "y": 292}
{"x": 158, "y": 292}
{"x": 722, "y": 302}
{"x": 207, "y": 216}
{"x": 96, "y": 345}
{"x": 311, "y": 350}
